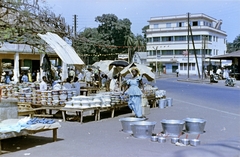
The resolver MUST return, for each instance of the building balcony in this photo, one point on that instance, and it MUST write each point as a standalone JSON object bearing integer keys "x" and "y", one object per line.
{"x": 179, "y": 29}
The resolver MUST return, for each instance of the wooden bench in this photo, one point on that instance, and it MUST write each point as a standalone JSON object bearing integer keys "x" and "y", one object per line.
{"x": 25, "y": 108}
{"x": 79, "y": 112}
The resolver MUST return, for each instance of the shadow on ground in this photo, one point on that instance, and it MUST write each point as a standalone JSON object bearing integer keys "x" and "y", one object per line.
{"x": 24, "y": 142}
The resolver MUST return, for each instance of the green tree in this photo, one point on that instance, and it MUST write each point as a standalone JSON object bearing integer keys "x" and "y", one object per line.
{"x": 114, "y": 30}
{"x": 140, "y": 43}
{"x": 230, "y": 47}
{"x": 129, "y": 43}
{"x": 21, "y": 21}
{"x": 236, "y": 43}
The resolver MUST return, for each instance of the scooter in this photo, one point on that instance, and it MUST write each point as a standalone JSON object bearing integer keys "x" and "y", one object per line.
{"x": 230, "y": 81}
{"x": 213, "y": 79}
{"x": 218, "y": 76}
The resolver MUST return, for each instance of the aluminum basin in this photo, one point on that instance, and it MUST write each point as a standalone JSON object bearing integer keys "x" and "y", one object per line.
{"x": 143, "y": 129}
{"x": 126, "y": 127}
{"x": 195, "y": 125}
{"x": 172, "y": 127}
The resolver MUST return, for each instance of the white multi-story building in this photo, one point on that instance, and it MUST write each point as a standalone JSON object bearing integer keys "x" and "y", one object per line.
{"x": 167, "y": 42}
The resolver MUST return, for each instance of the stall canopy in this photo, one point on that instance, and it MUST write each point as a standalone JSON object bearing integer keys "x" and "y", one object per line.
{"x": 62, "y": 48}
{"x": 227, "y": 56}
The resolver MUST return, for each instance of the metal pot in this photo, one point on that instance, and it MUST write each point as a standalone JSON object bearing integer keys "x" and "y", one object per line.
{"x": 142, "y": 129}
{"x": 172, "y": 127}
{"x": 194, "y": 142}
{"x": 154, "y": 138}
{"x": 127, "y": 121}
{"x": 195, "y": 125}
{"x": 184, "y": 141}
{"x": 174, "y": 140}
{"x": 161, "y": 140}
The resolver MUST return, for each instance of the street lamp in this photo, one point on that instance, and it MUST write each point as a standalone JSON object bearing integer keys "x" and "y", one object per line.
{"x": 156, "y": 57}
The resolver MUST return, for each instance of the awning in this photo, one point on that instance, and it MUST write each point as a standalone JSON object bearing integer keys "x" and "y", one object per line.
{"x": 227, "y": 56}
{"x": 63, "y": 49}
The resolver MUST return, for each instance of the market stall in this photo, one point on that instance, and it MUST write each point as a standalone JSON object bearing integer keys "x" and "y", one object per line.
{"x": 10, "y": 128}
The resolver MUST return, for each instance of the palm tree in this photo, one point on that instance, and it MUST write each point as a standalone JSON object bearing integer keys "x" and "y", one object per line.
{"x": 129, "y": 43}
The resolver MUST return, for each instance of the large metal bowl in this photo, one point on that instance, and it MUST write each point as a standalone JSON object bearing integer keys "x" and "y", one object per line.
{"x": 126, "y": 127}
{"x": 172, "y": 127}
{"x": 195, "y": 125}
{"x": 143, "y": 129}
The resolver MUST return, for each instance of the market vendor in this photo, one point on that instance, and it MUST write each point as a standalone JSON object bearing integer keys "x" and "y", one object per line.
{"x": 67, "y": 84}
{"x": 57, "y": 85}
{"x": 43, "y": 84}
{"x": 134, "y": 92}
{"x": 76, "y": 85}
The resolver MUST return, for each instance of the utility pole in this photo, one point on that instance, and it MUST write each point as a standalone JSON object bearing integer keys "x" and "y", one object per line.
{"x": 75, "y": 25}
{"x": 188, "y": 46}
{"x": 203, "y": 56}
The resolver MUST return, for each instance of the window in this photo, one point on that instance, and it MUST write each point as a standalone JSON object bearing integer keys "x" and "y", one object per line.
{"x": 151, "y": 53}
{"x": 195, "y": 23}
{"x": 181, "y": 66}
{"x": 192, "y": 66}
{"x": 155, "y": 26}
{"x": 210, "y": 38}
{"x": 167, "y": 52}
{"x": 180, "y": 24}
{"x": 191, "y": 52}
{"x": 179, "y": 52}
{"x": 195, "y": 37}
{"x": 168, "y": 25}
{"x": 216, "y": 52}
{"x": 156, "y": 39}
{"x": 185, "y": 66}
{"x": 149, "y": 40}
{"x": 167, "y": 38}
{"x": 180, "y": 38}
{"x": 213, "y": 38}
{"x": 224, "y": 41}
{"x": 216, "y": 39}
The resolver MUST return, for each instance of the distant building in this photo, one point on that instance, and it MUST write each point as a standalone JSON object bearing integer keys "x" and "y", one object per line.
{"x": 140, "y": 58}
{"x": 167, "y": 42}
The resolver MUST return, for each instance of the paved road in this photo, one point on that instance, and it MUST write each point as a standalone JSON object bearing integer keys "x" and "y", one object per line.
{"x": 216, "y": 103}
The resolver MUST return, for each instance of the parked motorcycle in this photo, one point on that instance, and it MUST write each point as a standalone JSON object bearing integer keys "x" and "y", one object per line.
{"x": 230, "y": 81}
{"x": 213, "y": 79}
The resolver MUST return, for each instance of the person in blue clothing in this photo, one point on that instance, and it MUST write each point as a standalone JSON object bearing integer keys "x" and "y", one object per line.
{"x": 134, "y": 92}
{"x": 7, "y": 78}
{"x": 24, "y": 78}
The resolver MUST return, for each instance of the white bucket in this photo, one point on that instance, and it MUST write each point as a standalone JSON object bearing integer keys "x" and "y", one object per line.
{"x": 162, "y": 103}
{"x": 169, "y": 102}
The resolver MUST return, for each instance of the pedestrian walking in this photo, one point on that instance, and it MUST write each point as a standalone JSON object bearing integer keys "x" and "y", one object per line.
{"x": 177, "y": 72}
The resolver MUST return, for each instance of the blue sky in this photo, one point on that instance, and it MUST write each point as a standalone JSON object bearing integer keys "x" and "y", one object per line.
{"x": 140, "y": 11}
